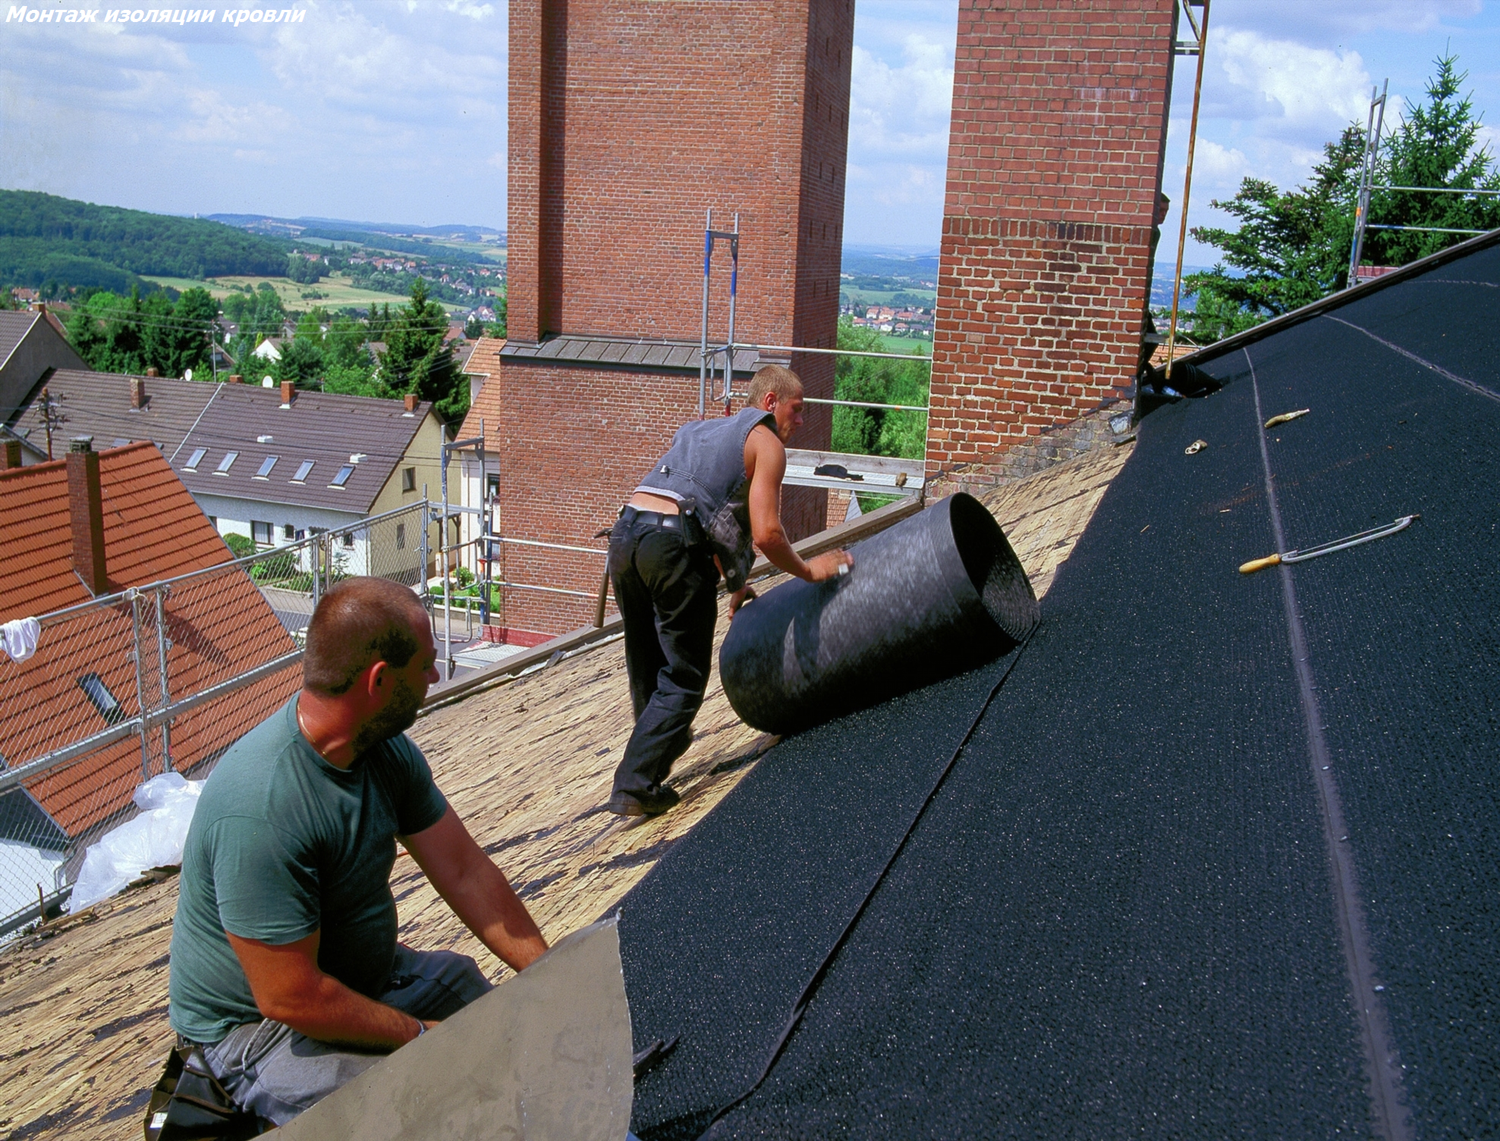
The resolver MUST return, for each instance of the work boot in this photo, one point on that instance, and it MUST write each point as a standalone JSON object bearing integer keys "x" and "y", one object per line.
{"x": 652, "y": 801}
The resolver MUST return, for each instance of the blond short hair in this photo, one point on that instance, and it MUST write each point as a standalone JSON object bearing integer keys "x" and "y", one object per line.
{"x": 773, "y": 378}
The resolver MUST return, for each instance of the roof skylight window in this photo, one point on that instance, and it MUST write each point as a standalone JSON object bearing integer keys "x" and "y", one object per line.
{"x": 98, "y": 693}
{"x": 265, "y": 467}
{"x": 302, "y": 469}
{"x": 226, "y": 463}
{"x": 195, "y": 459}
{"x": 343, "y": 476}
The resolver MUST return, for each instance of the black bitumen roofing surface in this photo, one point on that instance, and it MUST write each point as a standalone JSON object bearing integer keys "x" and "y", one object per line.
{"x": 1139, "y": 903}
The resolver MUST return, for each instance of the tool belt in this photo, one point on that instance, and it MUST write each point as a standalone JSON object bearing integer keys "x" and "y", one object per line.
{"x": 189, "y": 1104}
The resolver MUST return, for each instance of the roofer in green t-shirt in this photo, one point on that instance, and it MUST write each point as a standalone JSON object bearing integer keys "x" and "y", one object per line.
{"x": 285, "y": 966}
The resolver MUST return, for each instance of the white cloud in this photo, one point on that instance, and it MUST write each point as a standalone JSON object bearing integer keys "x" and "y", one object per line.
{"x": 1291, "y": 84}
{"x": 902, "y": 109}
{"x": 1321, "y": 19}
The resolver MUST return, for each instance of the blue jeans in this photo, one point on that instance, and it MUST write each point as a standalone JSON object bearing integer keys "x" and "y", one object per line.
{"x": 269, "y": 1068}
{"x": 667, "y": 593}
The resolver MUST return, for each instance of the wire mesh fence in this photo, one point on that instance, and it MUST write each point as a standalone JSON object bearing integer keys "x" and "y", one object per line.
{"x": 157, "y": 678}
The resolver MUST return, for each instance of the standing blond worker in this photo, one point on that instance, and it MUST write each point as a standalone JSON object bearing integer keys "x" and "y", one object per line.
{"x": 693, "y": 517}
{"x": 285, "y": 967}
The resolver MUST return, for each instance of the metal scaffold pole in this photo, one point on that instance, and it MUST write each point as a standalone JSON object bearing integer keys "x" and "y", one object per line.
{"x": 708, "y": 257}
{"x": 1187, "y": 181}
{"x": 1373, "y": 126}
{"x": 447, "y": 577}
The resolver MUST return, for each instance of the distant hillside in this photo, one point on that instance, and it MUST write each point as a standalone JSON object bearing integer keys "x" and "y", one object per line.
{"x": 44, "y": 238}
{"x": 358, "y": 231}
{"x": 394, "y": 245}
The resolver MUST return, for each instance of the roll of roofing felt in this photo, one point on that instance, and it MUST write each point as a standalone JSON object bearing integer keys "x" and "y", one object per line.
{"x": 940, "y": 593}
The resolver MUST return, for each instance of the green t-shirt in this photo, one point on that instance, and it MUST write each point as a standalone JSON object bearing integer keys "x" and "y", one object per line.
{"x": 283, "y": 844}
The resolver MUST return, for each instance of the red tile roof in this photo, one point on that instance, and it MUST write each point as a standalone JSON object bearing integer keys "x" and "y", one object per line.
{"x": 217, "y": 626}
{"x": 485, "y": 362}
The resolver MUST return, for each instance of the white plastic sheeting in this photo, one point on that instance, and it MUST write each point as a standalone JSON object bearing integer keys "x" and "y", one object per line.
{"x": 153, "y": 839}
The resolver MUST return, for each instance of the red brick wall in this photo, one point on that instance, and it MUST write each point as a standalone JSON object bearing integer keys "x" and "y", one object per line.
{"x": 573, "y": 445}
{"x": 627, "y": 120}
{"x": 1054, "y": 165}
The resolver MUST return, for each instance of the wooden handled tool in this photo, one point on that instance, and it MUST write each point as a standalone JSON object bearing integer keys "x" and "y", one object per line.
{"x": 1369, "y": 536}
{"x": 1260, "y": 564}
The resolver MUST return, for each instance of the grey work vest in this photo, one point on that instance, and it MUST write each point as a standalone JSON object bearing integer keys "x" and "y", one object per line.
{"x": 706, "y": 464}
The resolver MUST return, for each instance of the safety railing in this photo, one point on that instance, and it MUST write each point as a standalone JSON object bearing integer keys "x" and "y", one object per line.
{"x": 161, "y": 677}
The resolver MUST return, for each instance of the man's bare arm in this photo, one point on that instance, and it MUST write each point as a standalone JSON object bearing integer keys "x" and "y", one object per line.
{"x": 765, "y": 460}
{"x": 289, "y": 987}
{"x": 477, "y": 890}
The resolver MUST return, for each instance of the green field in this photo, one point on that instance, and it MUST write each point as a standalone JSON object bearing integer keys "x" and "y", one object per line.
{"x": 921, "y": 345}
{"x": 339, "y": 293}
{"x": 884, "y": 296}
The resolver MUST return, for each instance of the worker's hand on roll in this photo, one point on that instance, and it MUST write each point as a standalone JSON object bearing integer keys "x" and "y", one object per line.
{"x": 829, "y": 565}
{"x": 737, "y": 599}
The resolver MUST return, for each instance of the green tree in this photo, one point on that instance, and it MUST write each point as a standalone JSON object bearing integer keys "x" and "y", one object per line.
{"x": 301, "y": 362}
{"x": 417, "y": 359}
{"x": 496, "y": 328}
{"x": 877, "y": 431}
{"x": 1292, "y": 247}
{"x": 473, "y": 327}
{"x": 180, "y": 339}
{"x": 1434, "y": 146}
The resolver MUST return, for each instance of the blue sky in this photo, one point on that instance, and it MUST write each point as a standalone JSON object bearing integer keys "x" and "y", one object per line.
{"x": 395, "y": 111}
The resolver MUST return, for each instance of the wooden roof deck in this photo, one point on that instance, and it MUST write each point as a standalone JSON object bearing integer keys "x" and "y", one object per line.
{"x": 83, "y": 1028}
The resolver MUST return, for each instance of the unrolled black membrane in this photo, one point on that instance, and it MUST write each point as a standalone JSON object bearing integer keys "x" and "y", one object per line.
{"x": 939, "y": 593}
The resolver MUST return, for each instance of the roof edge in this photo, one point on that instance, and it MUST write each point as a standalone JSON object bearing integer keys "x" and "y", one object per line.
{"x": 1342, "y": 297}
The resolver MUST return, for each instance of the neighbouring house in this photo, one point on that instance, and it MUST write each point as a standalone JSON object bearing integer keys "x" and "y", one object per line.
{"x": 114, "y": 409}
{"x": 89, "y": 525}
{"x": 479, "y": 468}
{"x": 390, "y": 447}
{"x": 269, "y": 350}
{"x": 31, "y": 343}
{"x": 279, "y": 464}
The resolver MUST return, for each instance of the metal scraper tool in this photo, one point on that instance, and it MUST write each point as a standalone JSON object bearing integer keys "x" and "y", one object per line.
{"x": 1343, "y": 544}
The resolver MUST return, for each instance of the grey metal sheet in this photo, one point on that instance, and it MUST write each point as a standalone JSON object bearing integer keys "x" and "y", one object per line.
{"x": 546, "y": 1055}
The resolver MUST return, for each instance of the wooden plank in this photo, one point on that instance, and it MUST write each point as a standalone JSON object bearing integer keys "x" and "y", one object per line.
{"x": 891, "y": 466}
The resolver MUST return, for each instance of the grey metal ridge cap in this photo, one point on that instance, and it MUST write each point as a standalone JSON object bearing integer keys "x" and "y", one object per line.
{"x": 1337, "y": 300}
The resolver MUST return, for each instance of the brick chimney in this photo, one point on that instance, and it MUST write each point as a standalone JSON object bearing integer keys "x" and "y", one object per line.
{"x": 152, "y": 371}
{"x": 411, "y": 401}
{"x": 236, "y": 378}
{"x": 288, "y": 389}
{"x": 86, "y": 514}
{"x": 138, "y": 391}
{"x": 12, "y": 455}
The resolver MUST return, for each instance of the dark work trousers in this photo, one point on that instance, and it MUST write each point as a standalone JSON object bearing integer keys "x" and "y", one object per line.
{"x": 667, "y": 593}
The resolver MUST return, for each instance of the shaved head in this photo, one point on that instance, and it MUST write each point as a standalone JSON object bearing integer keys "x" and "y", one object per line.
{"x": 359, "y": 622}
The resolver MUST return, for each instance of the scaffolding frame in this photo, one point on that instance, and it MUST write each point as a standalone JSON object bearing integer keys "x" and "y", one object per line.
{"x": 705, "y": 366}
{"x": 1374, "y": 124}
